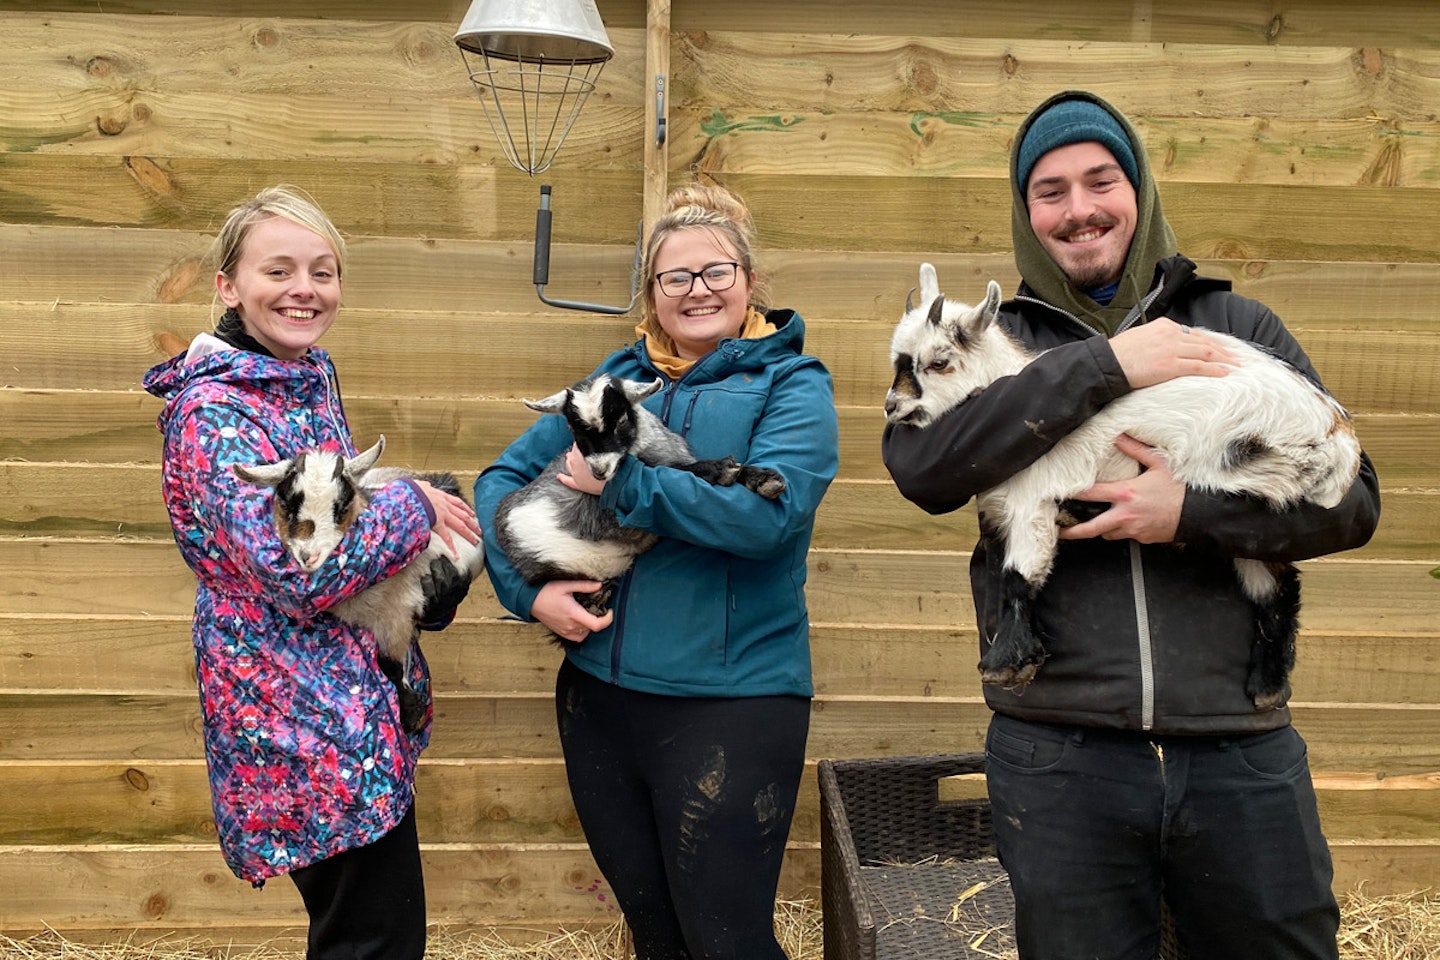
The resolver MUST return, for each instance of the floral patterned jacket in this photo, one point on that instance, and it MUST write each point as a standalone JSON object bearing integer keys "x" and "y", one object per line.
{"x": 303, "y": 741}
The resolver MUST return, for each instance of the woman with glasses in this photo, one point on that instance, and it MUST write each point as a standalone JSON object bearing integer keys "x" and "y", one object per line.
{"x": 683, "y": 711}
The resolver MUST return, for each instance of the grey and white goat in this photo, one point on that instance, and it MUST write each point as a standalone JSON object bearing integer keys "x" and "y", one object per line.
{"x": 318, "y": 495}
{"x": 1265, "y": 430}
{"x": 551, "y": 532}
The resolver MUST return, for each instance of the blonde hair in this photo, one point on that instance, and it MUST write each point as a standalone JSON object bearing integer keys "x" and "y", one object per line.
{"x": 282, "y": 200}
{"x": 707, "y": 207}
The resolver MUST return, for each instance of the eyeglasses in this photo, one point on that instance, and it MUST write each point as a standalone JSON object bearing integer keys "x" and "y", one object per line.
{"x": 716, "y": 277}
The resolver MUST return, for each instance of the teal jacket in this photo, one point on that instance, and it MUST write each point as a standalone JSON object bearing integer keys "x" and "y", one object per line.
{"x": 717, "y": 607}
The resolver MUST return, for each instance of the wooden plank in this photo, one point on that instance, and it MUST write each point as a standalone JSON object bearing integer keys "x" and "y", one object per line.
{"x": 1396, "y": 23}
{"x": 789, "y": 72}
{"x": 851, "y": 586}
{"x": 135, "y": 271}
{"x": 90, "y": 500}
{"x": 502, "y": 800}
{"x": 422, "y": 201}
{"x": 1382, "y": 739}
{"x": 1230, "y": 22}
{"x": 935, "y": 142}
{"x": 483, "y": 656}
{"x": 369, "y": 58}
{"x": 113, "y": 427}
{"x": 99, "y": 346}
{"x": 859, "y": 213}
{"x": 616, "y": 13}
{"x": 164, "y": 889}
{"x": 926, "y": 214}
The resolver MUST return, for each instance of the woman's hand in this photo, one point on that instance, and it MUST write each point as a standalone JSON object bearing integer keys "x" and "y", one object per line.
{"x": 453, "y": 516}
{"x": 1163, "y": 350}
{"x": 556, "y": 607}
{"x": 579, "y": 476}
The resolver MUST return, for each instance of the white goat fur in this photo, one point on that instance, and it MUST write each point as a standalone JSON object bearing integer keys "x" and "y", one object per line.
{"x": 310, "y": 529}
{"x": 1310, "y": 449}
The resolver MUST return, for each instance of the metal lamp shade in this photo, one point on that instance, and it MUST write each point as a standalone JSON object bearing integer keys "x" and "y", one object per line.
{"x": 534, "y": 63}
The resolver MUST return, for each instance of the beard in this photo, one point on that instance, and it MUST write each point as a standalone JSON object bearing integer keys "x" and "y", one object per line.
{"x": 1095, "y": 268}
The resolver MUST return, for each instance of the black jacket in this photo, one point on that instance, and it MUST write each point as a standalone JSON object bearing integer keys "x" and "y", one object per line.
{"x": 1177, "y": 662}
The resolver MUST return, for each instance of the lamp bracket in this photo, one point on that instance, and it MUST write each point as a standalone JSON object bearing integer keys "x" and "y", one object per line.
{"x": 541, "y": 273}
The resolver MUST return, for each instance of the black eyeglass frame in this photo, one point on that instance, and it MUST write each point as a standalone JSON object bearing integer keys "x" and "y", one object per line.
{"x": 698, "y": 275}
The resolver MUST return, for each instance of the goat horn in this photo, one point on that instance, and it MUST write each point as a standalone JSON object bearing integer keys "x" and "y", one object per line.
{"x": 910, "y": 300}
{"x": 936, "y": 308}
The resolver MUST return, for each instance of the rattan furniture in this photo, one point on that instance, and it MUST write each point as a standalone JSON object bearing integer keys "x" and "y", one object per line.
{"x": 907, "y": 875}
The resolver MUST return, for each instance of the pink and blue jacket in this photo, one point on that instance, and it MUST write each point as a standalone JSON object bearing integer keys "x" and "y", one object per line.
{"x": 303, "y": 742}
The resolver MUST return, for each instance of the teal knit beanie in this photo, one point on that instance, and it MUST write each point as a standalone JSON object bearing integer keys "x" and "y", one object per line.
{"x": 1074, "y": 121}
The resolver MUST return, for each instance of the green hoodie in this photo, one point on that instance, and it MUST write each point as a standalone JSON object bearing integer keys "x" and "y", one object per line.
{"x": 1153, "y": 240}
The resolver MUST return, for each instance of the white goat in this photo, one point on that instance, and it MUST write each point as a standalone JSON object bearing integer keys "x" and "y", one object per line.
{"x": 1264, "y": 430}
{"x": 551, "y": 532}
{"x": 318, "y": 495}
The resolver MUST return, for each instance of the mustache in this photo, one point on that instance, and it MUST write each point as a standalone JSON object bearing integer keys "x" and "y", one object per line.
{"x": 1096, "y": 220}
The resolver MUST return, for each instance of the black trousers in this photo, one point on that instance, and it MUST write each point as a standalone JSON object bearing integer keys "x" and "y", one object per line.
{"x": 1093, "y": 825}
{"x": 367, "y": 903}
{"x": 686, "y": 805}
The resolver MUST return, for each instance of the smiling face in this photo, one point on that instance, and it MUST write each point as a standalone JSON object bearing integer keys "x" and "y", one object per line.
{"x": 698, "y": 319}
{"x": 285, "y": 286}
{"x": 1083, "y": 212}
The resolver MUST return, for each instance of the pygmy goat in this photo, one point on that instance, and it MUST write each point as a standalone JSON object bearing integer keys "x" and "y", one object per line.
{"x": 1264, "y": 430}
{"x": 318, "y": 495}
{"x": 551, "y": 532}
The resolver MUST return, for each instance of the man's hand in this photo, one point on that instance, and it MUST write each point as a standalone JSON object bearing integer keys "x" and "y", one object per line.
{"x": 556, "y": 607}
{"x": 1163, "y": 350}
{"x": 1145, "y": 509}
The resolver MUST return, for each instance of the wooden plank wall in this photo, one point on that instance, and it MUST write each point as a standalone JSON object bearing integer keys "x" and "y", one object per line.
{"x": 1299, "y": 154}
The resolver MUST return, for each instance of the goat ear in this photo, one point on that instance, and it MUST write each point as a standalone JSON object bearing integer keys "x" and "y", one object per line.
{"x": 261, "y": 474}
{"x": 637, "y": 391}
{"x": 990, "y": 309}
{"x": 555, "y": 403}
{"x": 929, "y": 283}
{"x": 358, "y": 466}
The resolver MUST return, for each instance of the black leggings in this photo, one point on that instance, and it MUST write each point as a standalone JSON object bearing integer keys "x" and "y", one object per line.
{"x": 367, "y": 903}
{"x": 686, "y": 804}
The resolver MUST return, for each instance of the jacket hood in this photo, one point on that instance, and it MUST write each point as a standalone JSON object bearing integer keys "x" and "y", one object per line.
{"x": 1153, "y": 240}
{"x": 224, "y": 364}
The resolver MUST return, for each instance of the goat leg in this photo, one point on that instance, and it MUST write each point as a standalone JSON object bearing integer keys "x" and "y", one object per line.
{"x": 412, "y": 702}
{"x": 1272, "y": 655}
{"x": 1016, "y": 652}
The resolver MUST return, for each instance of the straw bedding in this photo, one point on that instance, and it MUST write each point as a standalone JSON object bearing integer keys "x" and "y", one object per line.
{"x": 1371, "y": 928}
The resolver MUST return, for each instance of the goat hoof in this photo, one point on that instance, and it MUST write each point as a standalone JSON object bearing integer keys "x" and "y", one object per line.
{"x": 1270, "y": 699}
{"x": 772, "y": 487}
{"x": 413, "y": 705}
{"x": 1012, "y": 677}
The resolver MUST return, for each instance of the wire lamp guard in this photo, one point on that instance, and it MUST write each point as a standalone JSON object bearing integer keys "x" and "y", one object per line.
{"x": 534, "y": 63}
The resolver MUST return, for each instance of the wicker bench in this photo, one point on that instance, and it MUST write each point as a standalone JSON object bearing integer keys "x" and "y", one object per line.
{"x": 906, "y": 874}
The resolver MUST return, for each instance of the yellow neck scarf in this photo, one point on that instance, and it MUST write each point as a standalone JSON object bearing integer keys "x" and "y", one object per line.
{"x": 662, "y": 349}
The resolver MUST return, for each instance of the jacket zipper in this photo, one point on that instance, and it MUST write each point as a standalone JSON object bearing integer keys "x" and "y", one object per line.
{"x": 1142, "y": 633}
{"x": 617, "y": 628}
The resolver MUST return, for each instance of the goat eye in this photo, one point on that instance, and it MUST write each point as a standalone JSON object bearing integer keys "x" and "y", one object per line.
{"x": 938, "y": 364}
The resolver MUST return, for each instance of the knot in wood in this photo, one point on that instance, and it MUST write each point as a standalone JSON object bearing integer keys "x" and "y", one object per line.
{"x": 137, "y": 779}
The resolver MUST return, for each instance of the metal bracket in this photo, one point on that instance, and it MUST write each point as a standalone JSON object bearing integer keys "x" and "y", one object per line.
{"x": 541, "y": 273}
{"x": 659, "y": 109}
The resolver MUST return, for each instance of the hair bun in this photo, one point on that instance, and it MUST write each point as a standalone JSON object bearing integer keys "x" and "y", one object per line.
{"x": 711, "y": 198}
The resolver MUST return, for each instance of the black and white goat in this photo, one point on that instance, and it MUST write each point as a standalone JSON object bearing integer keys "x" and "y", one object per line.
{"x": 318, "y": 495}
{"x": 1264, "y": 430}
{"x": 551, "y": 532}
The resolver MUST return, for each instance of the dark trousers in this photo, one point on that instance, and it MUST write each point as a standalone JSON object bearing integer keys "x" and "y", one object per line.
{"x": 1093, "y": 825}
{"x": 367, "y": 903}
{"x": 686, "y": 805}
